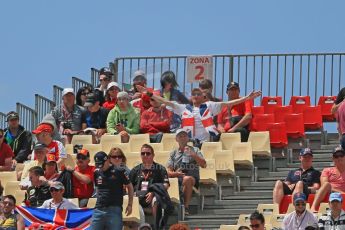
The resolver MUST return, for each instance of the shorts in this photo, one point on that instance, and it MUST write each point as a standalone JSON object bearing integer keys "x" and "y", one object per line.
{"x": 288, "y": 191}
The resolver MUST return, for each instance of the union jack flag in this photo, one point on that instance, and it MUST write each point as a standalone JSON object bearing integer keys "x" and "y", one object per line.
{"x": 60, "y": 219}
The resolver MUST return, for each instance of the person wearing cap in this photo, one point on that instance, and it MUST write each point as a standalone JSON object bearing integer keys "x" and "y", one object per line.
{"x": 302, "y": 180}
{"x": 155, "y": 121}
{"x": 82, "y": 180}
{"x": 57, "y": 201}
{"x": 105, "y": 76}
{"x": 19, "y": 139}
{"x": 51, "y": 172}
{"x": 43, "y": 134}
{"x": 109, "y": 182}
{"x": 332, "y": 178}
{"x": 301, "y": 217}
{"x": 38, "y": 192}
{"x": 184, "y": 164}
{"x": 94, "y": 117}
{"x": 111, "y": 95}
{"x": 235, "y": 118}
{"x": 123, "y": 119}
{"x": 6, "y": 154}
{"x": 68, "y": 115}
{"x": 199, "y": 117}
{"x": 335, "y": 219}
{"x": 139, "y": 78}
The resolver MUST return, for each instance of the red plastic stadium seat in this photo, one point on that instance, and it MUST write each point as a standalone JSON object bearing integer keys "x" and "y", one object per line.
{"x": 284, "y": 204}
{"x": 257, "y": 110}
{"x": 278, "y": 135}
{"x": 299, "y": 103}
{"x": 261, "y": 121}
{"x": 294, "y": 125}
{"x": 312, "y": 118}
{"x": 280, "y": 113}
{"x": 270, "y": 103}
{"x": 326, "y": 103}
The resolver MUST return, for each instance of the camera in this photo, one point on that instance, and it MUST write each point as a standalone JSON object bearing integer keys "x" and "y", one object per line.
{"x": 67, "y": 125}
{"x": 77, "y": 148}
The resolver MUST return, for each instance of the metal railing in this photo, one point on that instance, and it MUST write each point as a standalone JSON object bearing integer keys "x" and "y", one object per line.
{"x": 43, "y": 106}
{"x": 77, "y": 83}
{"x": 2, "y": 120}
{"x": 57, "y": 94}
{"x": 27, "y": 116}
{"x": 313, "y": 74}
{"x": 94, "y": 77}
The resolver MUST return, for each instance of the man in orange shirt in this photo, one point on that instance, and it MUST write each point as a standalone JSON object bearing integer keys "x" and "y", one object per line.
{"x": 236, "y": 118}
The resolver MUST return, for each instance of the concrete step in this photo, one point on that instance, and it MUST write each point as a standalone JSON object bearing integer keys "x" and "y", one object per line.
{"x": 256, "y": 188}
{"x": 238, "y": 202}
{"x": 330, "y": 146}
{"x": 220, "y": 214}
{"x": 259, "y": 183}
{"x": 316, "y": 165}
{"x": 209, "y": 222}
{"x": 256, "y": 195}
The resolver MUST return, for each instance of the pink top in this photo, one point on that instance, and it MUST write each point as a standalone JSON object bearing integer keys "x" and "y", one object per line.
{"x": 336, "y": 180}
{"x": 341, "y": 117}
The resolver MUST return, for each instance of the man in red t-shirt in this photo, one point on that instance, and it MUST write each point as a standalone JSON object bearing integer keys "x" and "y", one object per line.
{"x": 235, "y": 118}
{"x": 6, "y": 154}
{"x": 82, "y": 178}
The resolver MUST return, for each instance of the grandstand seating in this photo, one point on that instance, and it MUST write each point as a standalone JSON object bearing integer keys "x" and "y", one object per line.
{"x": 242, "y": 153}
{"x": 228, "y": 139}
{"x": 208, "y": 149}
{"x": 208, "y": 174}
{"x": 299, "y": 103}
{"x": 224, "y": 160}
{"x": 280, "y": 113}
{"x": 136, "y": 141}
{"x": 125, "y": 147}
{"x": 261, "y": 122}
{"x": 260, "y": 142}
{"x": 294, "y": 125}
{"x": 278, "y": 134}
{"x": 169, "y": 141}
{"x": 270, "y": 103}
{"x": 11, "y": 187}
{"x": 81, "y": 139}
{"x": 268, "y": 209}
{"x": 326, "y": 103}
{"x": 312, "y": 118}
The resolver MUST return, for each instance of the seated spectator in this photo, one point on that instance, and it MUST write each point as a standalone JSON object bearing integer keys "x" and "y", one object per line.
{"x": 170, "y": 92}
{"x": 105, "y": 76}
{"x": 302, "y": 180}
{"x": 43, "y": 134}
{"x": 335, "y": 219}
{"x": 81, "y": 95}
{"x": 51, "y": 172}
{"x": 95, "y": 118}
{"x": 38, "y": 192}
{"x": 142, "y": 103}
{"x": 236, "y": 118}
{"x": 57, "y": 201}
{"x": 111, "y": 95}
{"x": 243, "y": 228}
{"x": 68, "y": 116}
{"x": 301, "y": 217}
{"x": 17, "y": 138}
{"x": 40, "y": 151}
{"x": 83, "y": 181}
{"x": 257, "y": 221}
{"x": 9, "y": 219}
{"x": 6, "y": 154}
{"x": 332, "y": 179}
{"x": 144, "y": 175}
{"x": 179, "y": 227}
{"x": 145, "y": 226}
{"x": 206, "y": 87}
{"x": 49, "y": 119}
{"x": 123, "y": 119}
{"x": 139, "y": 79}
{"x": 199, "y": 117}
{"x": 118, "y": 159}
{"x": 184, "y": 164}
{"x": 155, "y": 121}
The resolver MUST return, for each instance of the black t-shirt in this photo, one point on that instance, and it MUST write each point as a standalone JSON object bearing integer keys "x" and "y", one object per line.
{"x": 97, "y": 119}
{"x": 110, "y": 186}
{"x": 341, "y": 96}
{"x": 309, "y": 176}
{"x": 35, "y": 196}
{"x": 157, "y": 174}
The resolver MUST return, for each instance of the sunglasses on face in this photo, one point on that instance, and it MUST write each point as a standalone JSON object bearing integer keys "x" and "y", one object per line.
{"x": 254, "y": 225}
{"x": 53, "y": 190}
{"x": 197, "y": 94}
{"x": 300, "y": 204}
{"x": 113, "y": 89}
{"x": 81, "y": 157}
{"x": 116, "y": 157}
{"x": 145, "y": 154}
{"x": 85, "y": 93}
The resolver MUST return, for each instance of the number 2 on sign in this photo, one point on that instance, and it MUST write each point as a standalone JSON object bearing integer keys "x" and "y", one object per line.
{"x": 200, "y": 75}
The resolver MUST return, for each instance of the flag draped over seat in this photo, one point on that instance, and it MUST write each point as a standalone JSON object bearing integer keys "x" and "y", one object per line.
{"x": 56, "y": 219}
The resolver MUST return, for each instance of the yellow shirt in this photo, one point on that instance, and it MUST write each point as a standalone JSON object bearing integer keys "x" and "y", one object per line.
{"x": 11, "y": 221}
{"x": 167, "y": 95}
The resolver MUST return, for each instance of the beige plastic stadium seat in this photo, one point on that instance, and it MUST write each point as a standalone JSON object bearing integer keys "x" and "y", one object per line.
{"x": 277, "y": 220}
{"x": 110, "y": 139}
{"x": 123, "y": 146}
{"x": 91, "y": 203}
{"x": 19, "y": 167}
{"x": 135, "y": 216}
{"x": 69, "y": 148}
{"x": 229, "y": 227}
{"x": 81, "y": 139}
{"x": 74, "y": 201}
{"x": 225, "y": 162}
{"x": 243, "y": 219}
{"x": 169, "y": 141}
{"x": 208, "y": 149}
{"x": 228, "y": 139}
{"x": 137, "y": 140}
{"x": 242, "y": 153}
{"x": 162, "y": 157}
{"x": 11, "y": 187}
{"x": 157, "y": 146}
{"x": 260, "y": 143}
{"x": 71, "y": 160}
{"x": 324, "y": 207}
{"x": 291, "y": 207}
{"x": 20, "y": 196}
{"x": 133, "y": 159}
{"x": 208, "y": 174}
{"x": 268, "y": 209}
{"x": 7, "y": 176}
{"x": 174, "y": 190}
{"x": 93, "y": 149}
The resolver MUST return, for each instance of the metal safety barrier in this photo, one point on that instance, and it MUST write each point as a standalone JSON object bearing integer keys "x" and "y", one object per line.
{"x": 57, "y": 94}
{"x": 94, "y": 77}
{"x": 77, "y": 83}
{"x": 313, "y": 74}
{"x": 2, "y": 120}
{"x": 27, "y": 116}
{"x": 43, "y": 106}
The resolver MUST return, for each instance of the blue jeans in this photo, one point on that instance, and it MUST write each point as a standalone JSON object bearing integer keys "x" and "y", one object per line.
{"x": 109, "y": 218}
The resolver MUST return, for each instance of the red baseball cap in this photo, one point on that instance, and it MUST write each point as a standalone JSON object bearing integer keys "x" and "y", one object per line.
{"x": 43, "y": 128}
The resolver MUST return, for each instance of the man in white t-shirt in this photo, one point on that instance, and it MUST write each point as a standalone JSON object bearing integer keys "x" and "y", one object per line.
{"x": 57, "y": 201}
{"x": 199, "y": 117}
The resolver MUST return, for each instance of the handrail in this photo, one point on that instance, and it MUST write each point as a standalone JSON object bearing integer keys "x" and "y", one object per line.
{"x": 43, "y": 106}
{"x": 77, "y": 83}
{"x": 2, "y": 120}
{"x": 57, "y": 94}
{"x": 27, "y": 116}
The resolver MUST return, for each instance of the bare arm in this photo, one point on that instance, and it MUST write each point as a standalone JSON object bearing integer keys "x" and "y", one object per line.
{"x": 335, "y": 107}
{"x": 130, "y": 191}
{"x": 83, "y": 178}
{"x": 7, "y": 166}
{"x": 157, "y": 98}
{"x": 252, "y": 95}
{"x": 20, "y": 222}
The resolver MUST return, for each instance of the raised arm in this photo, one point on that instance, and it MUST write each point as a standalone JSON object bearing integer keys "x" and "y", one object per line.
{"x": 160, "y": 99}
{"x": 251, "y": 96}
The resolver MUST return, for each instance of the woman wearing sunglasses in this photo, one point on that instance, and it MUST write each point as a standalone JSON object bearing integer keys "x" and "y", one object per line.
{"x": 257, "y": 221}
{"x": 6, "y": 154}
{"x": 118, "y": 159}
